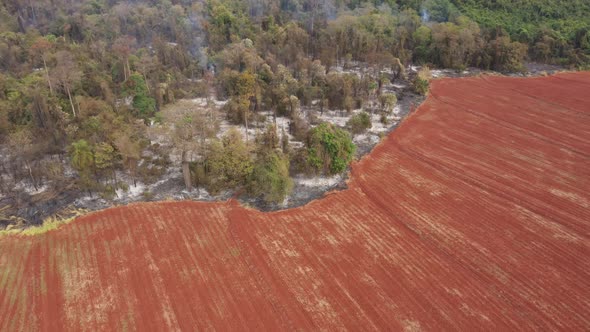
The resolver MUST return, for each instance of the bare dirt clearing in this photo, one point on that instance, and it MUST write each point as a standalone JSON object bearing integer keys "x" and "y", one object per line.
{"x": 473, "y": 215}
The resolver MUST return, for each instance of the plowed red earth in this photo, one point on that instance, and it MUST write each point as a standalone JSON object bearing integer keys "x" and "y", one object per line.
{"x": 473, "y": 215}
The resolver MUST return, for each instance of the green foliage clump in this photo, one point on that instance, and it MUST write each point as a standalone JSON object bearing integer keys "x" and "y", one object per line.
{"x": 359, "y": 123}
{"x": 104, "y": 155}
{"x": 329, "y": 149}
{"x": 421, "y": 85}
{"x": 229, "y": 163}
{"x": 143, "y": 103}
{"x": 440, "y": 10}
{"x": 81, "y": 155}
{"x": 49, "y": 224}
{"x": 553, "y": 30}
{"x": 270, "y": 178}
{"x": 421, "y": 82}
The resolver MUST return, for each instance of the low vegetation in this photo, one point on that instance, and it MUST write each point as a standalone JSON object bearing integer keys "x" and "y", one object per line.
{"x": 49, "y": 224}
{"x": 359, "y": 123}
{"x": 421, "y": 82}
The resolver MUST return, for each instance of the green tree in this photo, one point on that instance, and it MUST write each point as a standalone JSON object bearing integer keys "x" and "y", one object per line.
{"x": 82, "y": 159}
{"x": 104, "y": 158}
{"x": 143, "y": 103}
{"x": 22, "y": 147}
{"x": 422, "y": 48}
{"x": 130, "y": 150}
{"x": 67, "y": 75}
{"x": 440, "y": 10}
{"x": 40, "y": 48}
{"x": 270, "y": 177}
{"x": 246, "y": 89}
{"x": 81, "y": 155}
{"x": 329, "y": 149}
{"x": 191, "y": 130}
{"x": 229, "y": 162}
{"x": 507, "y": 55}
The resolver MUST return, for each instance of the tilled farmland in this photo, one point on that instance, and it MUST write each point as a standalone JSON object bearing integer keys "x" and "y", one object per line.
{"x": 473, "y": 215}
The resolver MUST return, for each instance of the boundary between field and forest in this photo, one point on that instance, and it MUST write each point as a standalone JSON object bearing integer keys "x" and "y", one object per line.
{"x": 72, "y": 214}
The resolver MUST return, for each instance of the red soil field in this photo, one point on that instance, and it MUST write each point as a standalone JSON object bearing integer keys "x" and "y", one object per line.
{"x": 473, "y": 215}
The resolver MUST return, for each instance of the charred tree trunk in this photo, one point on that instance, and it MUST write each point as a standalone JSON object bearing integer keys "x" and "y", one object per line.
{"x": 71, "y": 100}
{"x": 47, "y": 74}
{"x": 186, "y": 172}
{"x": 115, "y": 177}
{"x": 132, "y": 164}
{"x": 28, "y": 166}
{"x": 148, "y": 86}
{"x": 128, "y": 68}
{"x": 246, "y": 122}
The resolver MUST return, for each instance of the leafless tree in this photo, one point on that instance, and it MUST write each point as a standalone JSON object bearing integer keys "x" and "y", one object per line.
{"x": 67, "y": 75}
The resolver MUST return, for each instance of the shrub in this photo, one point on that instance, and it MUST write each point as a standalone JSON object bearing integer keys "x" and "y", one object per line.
{"x": 359, "y": 123}
{"x": 421, "y": 86}
{"x": 388, "y": 102}
{"x": 421, "y": 83}
{"x": 298, "y": 127}
{"x": 329, "y": 149}
{"x": 270, "y": 177}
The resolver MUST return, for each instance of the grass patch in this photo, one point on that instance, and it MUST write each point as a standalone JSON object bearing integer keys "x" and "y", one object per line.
{"x": 49, "y": 224}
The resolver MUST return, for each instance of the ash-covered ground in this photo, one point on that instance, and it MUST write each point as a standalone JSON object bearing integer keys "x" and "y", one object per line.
{"x": 33, "y": 205}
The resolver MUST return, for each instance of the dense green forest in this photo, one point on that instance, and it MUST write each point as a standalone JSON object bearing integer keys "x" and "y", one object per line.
{"x": 81, "y": 82}
{"x": 556, "y": 31}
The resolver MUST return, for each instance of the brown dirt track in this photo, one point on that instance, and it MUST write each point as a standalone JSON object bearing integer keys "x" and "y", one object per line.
{"x": 473, "y": 215}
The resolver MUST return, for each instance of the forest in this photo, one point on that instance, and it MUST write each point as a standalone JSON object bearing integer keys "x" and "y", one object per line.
{"x": 86, "y": 87}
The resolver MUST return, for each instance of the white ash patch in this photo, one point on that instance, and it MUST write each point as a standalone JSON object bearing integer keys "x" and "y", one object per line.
{"x": 319, "y": 181}
{"x": 337, "y": 118}
{"x": 157, "y": 134}
{"x": 89, "y": 201}
{"x": 198, "y": 194}
{"x": 436, "y": 73}
{"x": 296, "y": 144}
{"x": 225, "y": 126}
{"x": 359, "y": 138}
{"x": 285, "y": 203}
{"x": 282, "y": 124}
{"x": 369, "y": 139}
{"x": 201, "y": 102}
{"x": 28, "y": 188}
{"x": 219, "y": 103}
{"x": 134, "y": 191}
{"x": 353, "y": 67}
